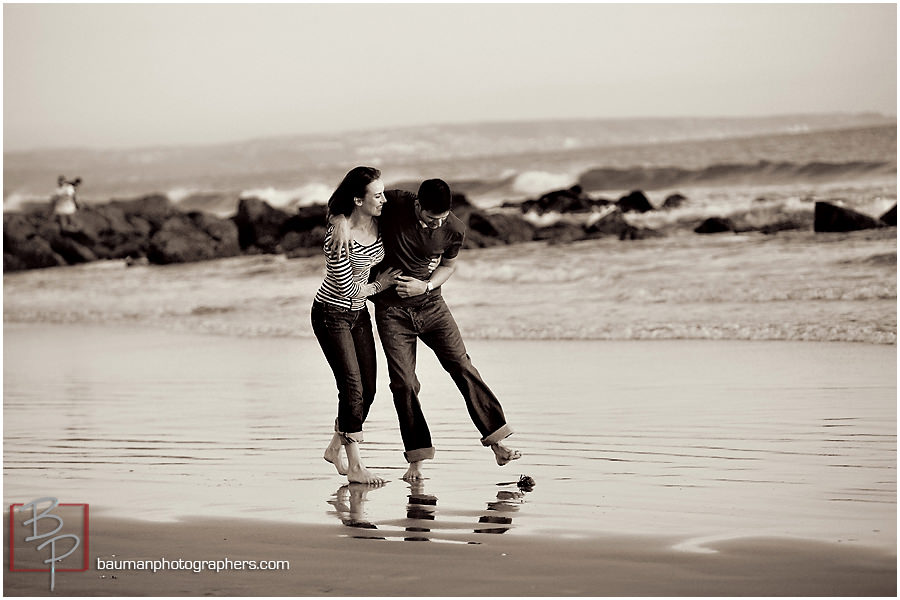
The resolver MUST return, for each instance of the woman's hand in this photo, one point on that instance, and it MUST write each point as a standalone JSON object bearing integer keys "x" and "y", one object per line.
{"x": 389, "y": 278}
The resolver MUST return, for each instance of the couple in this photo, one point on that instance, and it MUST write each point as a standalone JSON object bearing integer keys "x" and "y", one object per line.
{"x": 411, "y": 242}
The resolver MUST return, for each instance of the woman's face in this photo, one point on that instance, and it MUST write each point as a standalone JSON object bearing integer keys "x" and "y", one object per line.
{"x": 374, "y": 200}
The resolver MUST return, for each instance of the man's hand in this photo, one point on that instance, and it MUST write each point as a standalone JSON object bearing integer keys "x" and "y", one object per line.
{"x": 434, "y": 264}
{"x": 408, "y": 287}
{"x": 340, "y": 237}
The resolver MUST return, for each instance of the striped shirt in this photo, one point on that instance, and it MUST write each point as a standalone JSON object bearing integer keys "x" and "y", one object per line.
{"x": 346, "y": 278}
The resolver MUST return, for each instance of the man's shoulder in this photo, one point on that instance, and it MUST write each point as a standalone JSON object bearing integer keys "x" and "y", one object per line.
{"x": 455, "y": 225}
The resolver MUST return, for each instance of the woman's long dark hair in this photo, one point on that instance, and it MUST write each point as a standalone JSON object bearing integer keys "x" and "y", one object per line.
{"x": 352, "y": 186}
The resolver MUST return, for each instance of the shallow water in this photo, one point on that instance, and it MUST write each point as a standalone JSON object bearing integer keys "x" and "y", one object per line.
{"x": 795, "y": 285}
{"x": 698, "y": 440}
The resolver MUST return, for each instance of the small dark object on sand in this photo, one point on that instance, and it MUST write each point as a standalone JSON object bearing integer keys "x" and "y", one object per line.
{"x": 526, "y": 483}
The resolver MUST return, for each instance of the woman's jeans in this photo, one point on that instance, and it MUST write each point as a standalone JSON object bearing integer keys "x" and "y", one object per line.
{"x": 400, "y": 328}
{"x": 349, "y": 346}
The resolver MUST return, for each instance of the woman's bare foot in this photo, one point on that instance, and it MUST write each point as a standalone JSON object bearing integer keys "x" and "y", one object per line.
{"x": 333, "y": 455}
{"x": 360, "y": 474}
{"x": 414, "y": 472}
{"x": 504, "y": 454}
{"x": 357, "y": 471}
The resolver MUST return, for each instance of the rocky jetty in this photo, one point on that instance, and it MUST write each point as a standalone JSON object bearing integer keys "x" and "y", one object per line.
{"x": 636, "y": 201}
{"x": 148, "y": 227}
{"x": 570, "y": 200}
{"x": 715, "y": 225}
{"x": 151, "y": 229}
{"x": 833, "y": 218}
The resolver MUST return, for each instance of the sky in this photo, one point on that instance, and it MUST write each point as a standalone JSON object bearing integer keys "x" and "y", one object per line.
{"x": 129, "y": 75}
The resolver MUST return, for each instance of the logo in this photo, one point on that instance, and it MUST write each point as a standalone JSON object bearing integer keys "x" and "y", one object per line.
{"x": 46, "y": 536}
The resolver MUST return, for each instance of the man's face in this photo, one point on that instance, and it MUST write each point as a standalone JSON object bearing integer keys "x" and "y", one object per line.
{"x": 429, "y": 219}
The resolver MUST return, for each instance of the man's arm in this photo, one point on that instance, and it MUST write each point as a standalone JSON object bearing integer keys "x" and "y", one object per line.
{"x": 340, "y": 236}
{"x": 410, "y": 286}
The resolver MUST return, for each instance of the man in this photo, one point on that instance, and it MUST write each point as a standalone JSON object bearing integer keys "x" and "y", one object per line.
{"x": 417, "y": 229}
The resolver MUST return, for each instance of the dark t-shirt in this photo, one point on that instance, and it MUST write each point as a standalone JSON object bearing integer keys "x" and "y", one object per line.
{"x": 409, "y": 246}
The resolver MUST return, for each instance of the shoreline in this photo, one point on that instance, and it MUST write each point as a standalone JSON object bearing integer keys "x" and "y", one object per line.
{"x": 147, "y": 327}
{"x": 330, "y": 561}
{"x": 779, "y": 456}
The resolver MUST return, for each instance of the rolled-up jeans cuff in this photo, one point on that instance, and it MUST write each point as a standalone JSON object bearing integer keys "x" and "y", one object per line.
{"x": 418, "y": 454}
{"x": 499, "y": 435}
{"x": 350, "y": 438}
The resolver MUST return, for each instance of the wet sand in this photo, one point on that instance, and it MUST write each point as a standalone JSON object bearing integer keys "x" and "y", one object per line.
{"x": 328, "y": 561}
{"x": 668, "y": 467}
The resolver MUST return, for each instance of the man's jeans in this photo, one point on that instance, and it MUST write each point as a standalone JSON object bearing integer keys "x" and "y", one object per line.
{"x": 399, "y": 327}
{"x": 349, "y": 345}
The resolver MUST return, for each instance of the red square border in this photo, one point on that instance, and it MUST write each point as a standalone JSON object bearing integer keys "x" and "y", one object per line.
{"x": 12, "y": 550}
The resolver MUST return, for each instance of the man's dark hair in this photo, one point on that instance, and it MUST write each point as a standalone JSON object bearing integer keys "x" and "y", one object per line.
{"x": 434, "y": 196}
{"x": 352, "y": 186}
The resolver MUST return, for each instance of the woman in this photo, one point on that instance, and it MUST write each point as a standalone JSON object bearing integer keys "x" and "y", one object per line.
{"x": 340, "y": 318}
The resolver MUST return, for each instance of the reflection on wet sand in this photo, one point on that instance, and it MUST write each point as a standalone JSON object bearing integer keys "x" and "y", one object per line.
{"x": 349, "y": 504}
{"x": 422, "y": 523}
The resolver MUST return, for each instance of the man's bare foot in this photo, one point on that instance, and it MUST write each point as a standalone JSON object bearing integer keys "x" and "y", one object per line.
{"x": 504, "y": 454}
{"x": 333, "y": 455}
{"x": 360, "y": 474}
{"x": 414, "y": 472}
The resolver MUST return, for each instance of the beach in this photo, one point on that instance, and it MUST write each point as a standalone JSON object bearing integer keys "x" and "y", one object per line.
{"x": 326, "y": 564}
{"x": 701, "y": 415}
{"x": 672, "y": 467}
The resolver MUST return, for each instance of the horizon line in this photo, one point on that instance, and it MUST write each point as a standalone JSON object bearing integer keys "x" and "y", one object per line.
{"x": 487, "y": 122}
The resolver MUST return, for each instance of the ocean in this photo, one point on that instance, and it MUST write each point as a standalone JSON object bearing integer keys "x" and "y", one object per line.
{"x": 794, "y": 285}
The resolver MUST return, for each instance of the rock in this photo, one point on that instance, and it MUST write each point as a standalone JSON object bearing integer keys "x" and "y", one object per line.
{"x": 193, "y": 237}
{"x": 674, "y": 201}
{"x": 635, "y": 201}
{"x": 890, "y": 217}
{"x": 141, "y": 226}
{"x": 31, "y": 253}
{"x": 829, "y": 217}
{"x": 71, "y": 251}
{"x": 223, "y": 232}
{"x": 294, "y": 241}
{"x": 715, "y": 225}
{"x": 12, "y": 263}
{"x": 560, "y": 232}
{"x": 639, "y": 233}
{"x": 458, "y": 202}
{"x": 17, "y": 228}
{"x": 511, "y": 229}
{"x": 613, "y": 223}
{"x": 571, "y": 200}
{"x": 306, "y": 219}
{"x": 787, "y": 224}
{"x": 23, "y": 245}
{"x": 155, "y": 209}
{"x": 259, "y": 224}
